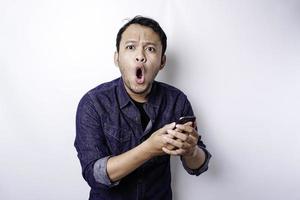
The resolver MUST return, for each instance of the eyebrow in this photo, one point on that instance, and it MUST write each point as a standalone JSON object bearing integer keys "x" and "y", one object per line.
{"x": 146, "y": 43}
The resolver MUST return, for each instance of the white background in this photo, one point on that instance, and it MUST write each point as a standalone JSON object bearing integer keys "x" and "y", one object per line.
{"x": 238, "y": 61}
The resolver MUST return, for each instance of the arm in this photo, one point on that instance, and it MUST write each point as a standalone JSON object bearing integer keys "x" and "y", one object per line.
{"x": 196, "y": 159}
{"x": 89, "y": 142}
{"x": 123, "y": 164}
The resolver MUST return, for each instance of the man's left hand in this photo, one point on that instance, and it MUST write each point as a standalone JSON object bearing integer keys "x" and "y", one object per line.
{"x": 184, "y": 138}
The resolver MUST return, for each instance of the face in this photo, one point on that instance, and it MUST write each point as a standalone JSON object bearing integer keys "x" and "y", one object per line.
{"x": 139, "y": 60}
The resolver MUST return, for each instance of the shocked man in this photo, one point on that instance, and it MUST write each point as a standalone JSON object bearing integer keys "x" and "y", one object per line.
{"x": 126, "y": 130}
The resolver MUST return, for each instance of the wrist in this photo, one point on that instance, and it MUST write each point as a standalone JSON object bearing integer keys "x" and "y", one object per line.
{"x": 192, "y": 153}
{"x": 147, "y": 150}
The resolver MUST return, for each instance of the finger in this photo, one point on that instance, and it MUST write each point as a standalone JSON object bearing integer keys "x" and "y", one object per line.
{"x": 175, "y": 152}
{"x": 193, "y": 140}
{"x": 189, "y": 124}
{"x": 170, "y": 126}
{"x": 169, "y": 135}
{"x": 187, "y": 145}
{"x": 167, "y": 127}
{"x": 178, "y": 135}
{"x": 195, "y": 134}
{"x": 185, "y": 128}
{"x": 169, "y": 147}
{"x": 176, "y": 129}
{"x": 174, "y": 142}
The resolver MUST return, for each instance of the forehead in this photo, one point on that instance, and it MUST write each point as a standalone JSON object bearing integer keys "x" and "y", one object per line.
{"x": 138, "y": 32}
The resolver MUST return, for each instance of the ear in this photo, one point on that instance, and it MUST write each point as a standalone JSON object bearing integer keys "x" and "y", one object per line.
{"x": 116, "y": 59}
{"x": 163, "y": 62}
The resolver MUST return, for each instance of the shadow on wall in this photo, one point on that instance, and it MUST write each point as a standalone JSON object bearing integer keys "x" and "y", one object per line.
{"x": 169, "y": 73}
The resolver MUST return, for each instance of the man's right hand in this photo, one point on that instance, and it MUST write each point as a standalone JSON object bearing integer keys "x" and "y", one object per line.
{"x": 157, "y": 140}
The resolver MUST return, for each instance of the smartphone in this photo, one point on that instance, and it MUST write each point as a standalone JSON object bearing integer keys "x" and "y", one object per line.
{"x": 185, "y": 119}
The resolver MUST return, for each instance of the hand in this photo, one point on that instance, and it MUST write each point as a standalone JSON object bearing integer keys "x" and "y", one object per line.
{"x": 170, "y": 146}
{"x": 184, "y": 138}
{"x": 158, "y": 140}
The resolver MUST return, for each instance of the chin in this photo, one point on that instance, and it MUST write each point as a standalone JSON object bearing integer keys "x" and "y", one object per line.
{"x": 141, "y": 89}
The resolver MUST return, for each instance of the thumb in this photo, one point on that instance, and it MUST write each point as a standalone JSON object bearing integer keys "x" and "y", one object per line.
{"x": 164, "y": 129}
{"x": 169, "y": 126}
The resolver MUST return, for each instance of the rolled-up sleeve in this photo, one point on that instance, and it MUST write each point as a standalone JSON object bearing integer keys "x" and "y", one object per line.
{"x": 203, "y": 167}
{"x": 91, "y": 145}
{"x": 100, "y": 172}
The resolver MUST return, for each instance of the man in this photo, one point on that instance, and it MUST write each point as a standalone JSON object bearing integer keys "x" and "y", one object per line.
{"x": 125, "y": 130}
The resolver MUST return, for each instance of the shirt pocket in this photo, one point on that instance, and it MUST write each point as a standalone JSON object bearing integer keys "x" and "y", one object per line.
{"x": 118, "y": 139}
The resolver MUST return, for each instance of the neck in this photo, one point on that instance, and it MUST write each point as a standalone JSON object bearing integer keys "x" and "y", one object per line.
{"x": 138, "y": 97}
{"x": 141, "y": 98}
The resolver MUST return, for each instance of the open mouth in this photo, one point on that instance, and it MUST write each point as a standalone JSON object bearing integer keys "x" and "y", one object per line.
{"x": 140, "y": 75}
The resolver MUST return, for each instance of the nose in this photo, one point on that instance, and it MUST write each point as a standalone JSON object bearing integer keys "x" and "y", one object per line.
{"x": 140, "y": 57}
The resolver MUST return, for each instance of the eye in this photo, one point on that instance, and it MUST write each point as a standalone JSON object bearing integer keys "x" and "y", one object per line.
{"x": 130, "y": 47}
{"x": 151, "y": 49}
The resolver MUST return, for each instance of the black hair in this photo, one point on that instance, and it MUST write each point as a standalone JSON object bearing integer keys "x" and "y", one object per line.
{"x": 148, "y": 22}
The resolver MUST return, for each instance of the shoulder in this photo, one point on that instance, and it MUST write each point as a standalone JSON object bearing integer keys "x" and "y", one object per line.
{"x": 169, "y": 90}
{"x": 102, "y": 92}
{"x": 173, "y": 99}
{"x": 104, "y": 88}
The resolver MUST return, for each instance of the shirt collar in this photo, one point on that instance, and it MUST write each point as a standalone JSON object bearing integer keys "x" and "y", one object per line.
{"x": 155, "y": 95}
{"x": 123, "y": 96}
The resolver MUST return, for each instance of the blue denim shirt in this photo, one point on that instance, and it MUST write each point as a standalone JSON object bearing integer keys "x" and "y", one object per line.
{"x": 108, "y": 124}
